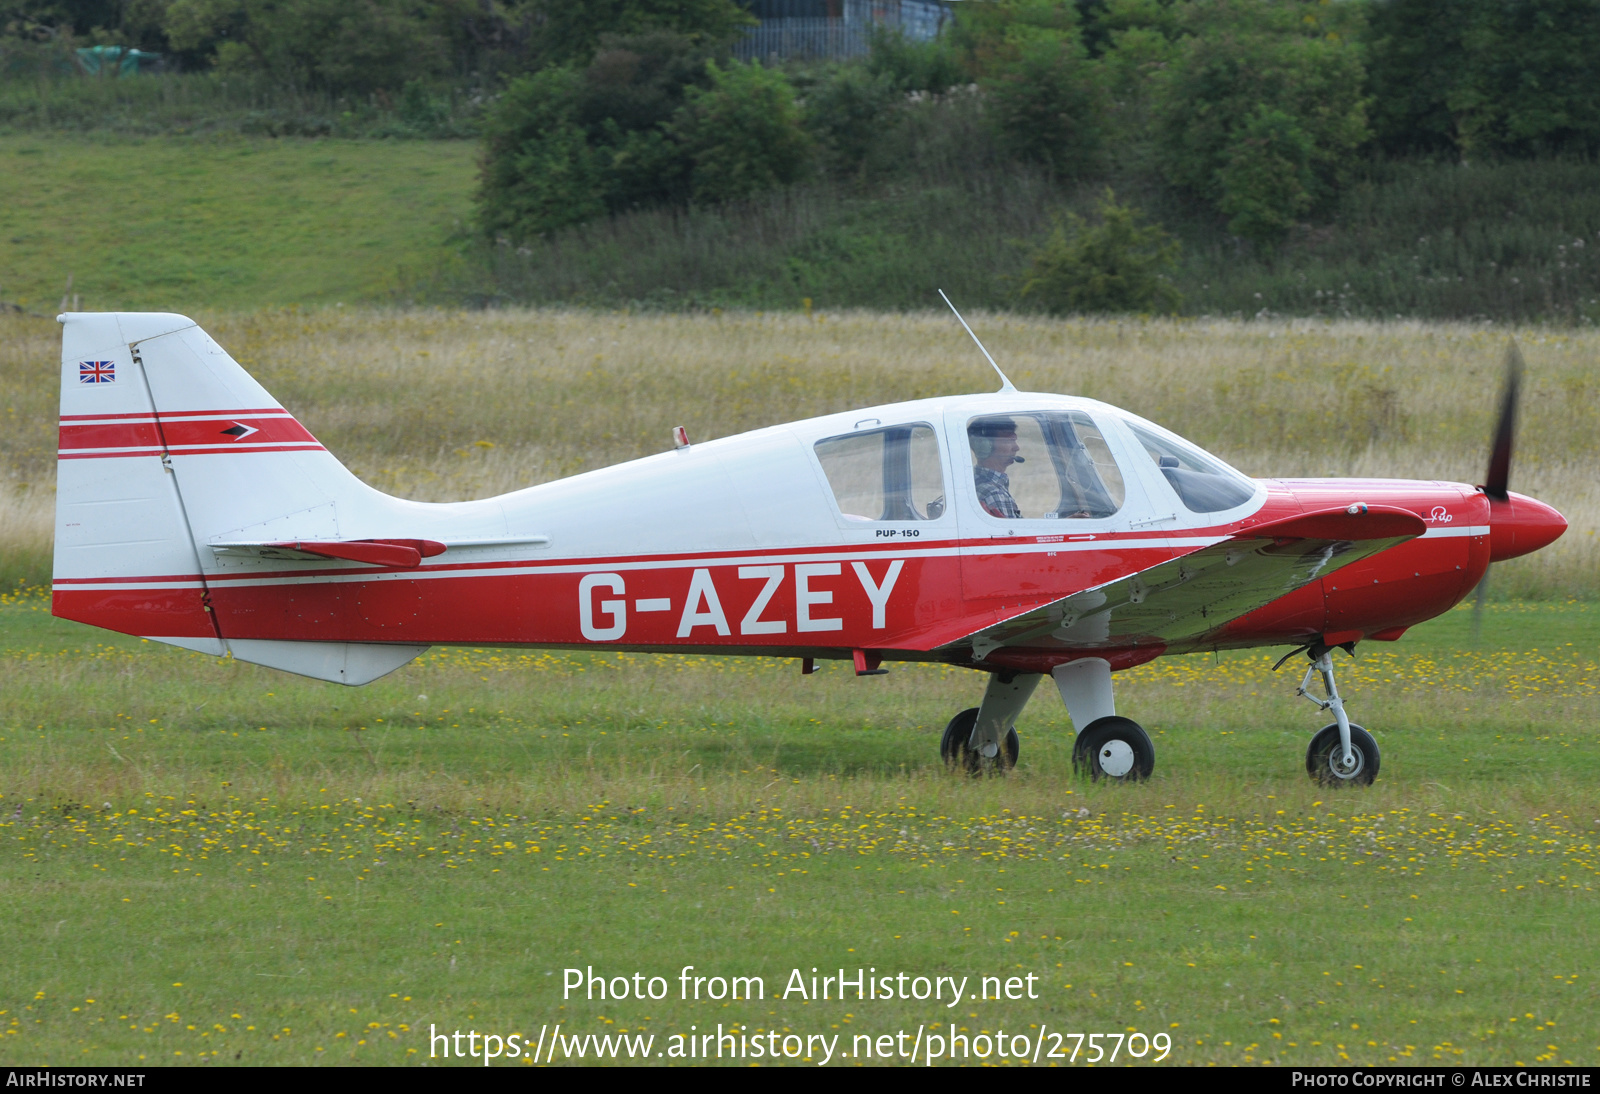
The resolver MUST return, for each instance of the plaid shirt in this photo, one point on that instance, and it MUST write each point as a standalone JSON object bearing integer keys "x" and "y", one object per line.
{"x": 994, "y": 493}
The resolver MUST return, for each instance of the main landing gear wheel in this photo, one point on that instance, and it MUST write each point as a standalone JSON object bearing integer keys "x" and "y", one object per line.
{"x": 959, "y": 753}
{"x": 1114, "y": 748}
{"x": 1324, "y": 759}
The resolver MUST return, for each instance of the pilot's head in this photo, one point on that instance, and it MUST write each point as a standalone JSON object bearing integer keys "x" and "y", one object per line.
{"x": 994, "y": 442}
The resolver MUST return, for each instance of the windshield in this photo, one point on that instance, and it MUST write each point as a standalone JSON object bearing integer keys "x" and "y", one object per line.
{"x": 1202, "y": 482}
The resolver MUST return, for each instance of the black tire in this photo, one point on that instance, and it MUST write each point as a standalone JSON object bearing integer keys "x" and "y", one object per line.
{"x": 1324, "y": 749}
{"x": 958, "y": 753}
{"x": 1113, "y": 748}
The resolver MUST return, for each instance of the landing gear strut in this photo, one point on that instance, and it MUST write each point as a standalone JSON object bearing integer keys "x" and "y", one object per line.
{"x": 984, "y": 738}
{"x": 1341, "y": 754}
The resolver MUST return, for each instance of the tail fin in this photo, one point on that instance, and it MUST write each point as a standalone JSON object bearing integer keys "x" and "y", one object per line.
{"x": 168, "y": 446}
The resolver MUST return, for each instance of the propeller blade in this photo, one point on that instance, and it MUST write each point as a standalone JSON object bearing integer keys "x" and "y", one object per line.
{"x": 1477, "y": 606}
{"x": 1497, "y": 485}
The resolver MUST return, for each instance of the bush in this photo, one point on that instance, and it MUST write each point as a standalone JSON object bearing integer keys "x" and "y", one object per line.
{"x": 539, "y": 173}
{"x": 848, "y": 112}
{"x": 564, "y": 146}
{"x": 630, "y": 93}
{"x": 358, "y": 46}
{"x": 907, "y": 65}
{"x": 743, "y": 134}
{"x": 1114, "y": 266}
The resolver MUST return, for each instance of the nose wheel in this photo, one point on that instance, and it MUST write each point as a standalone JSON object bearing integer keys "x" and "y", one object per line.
{"x": 1326, "y": 762}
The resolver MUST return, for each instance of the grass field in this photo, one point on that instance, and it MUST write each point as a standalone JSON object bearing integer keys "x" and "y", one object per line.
{"x": 207, "y": 861}
{"x": 171, "y": 224}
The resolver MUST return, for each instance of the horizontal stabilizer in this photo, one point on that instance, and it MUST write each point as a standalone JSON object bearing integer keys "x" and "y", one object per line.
{"x": 403, "y": 553}
{"x": 1183, "y": 601}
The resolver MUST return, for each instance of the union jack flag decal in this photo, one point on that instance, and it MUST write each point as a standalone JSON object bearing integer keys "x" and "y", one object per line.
{"x": 97, "y": 372}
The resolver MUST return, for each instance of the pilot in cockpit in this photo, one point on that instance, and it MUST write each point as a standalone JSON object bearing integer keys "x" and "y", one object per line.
{"x": 994, "y": 448}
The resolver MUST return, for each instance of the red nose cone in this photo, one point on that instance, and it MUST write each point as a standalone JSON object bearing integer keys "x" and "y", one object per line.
{"x": 1520, "y": 525}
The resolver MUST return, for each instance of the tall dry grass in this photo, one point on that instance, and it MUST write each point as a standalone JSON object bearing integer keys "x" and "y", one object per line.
{"x": 441, "y": 405}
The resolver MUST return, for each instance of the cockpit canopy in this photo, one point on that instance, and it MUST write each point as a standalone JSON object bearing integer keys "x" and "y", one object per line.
{"x": 1050, "y": 463}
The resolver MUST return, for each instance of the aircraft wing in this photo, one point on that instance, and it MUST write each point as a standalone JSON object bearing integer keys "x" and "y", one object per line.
{"x": 1184, "y": 599}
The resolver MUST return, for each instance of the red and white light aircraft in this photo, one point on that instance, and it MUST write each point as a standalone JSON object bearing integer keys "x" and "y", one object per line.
{"x": 1026, "y": 535}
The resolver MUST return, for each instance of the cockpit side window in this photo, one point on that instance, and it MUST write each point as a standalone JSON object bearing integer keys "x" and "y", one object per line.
{"x": 885, "y": 474}
{"x": 1043, "y": 466}
{"x": 1203, "y": 483}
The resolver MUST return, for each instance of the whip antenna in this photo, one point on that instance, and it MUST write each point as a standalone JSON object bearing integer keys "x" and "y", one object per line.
{"x": 1005, "y": 381}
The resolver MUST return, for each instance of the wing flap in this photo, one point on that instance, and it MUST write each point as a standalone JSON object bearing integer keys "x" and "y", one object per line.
{"x": 1183, "y": 600}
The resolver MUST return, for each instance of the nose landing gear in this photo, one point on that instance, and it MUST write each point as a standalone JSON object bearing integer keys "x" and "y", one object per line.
{"x": 1342, "y": 753}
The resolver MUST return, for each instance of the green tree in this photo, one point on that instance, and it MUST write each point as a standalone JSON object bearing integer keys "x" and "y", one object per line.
{"x": 1047, "y": 103}
{"x": 1251, "y": 91}
{"x": 1266, "y": 182}
{"x": 1415, "y": 58}
{"x": 743, "y": 134}
{"x": 1045, "y": 98}
{"x": 989, "y": 35}
{"x": 135, "y": 23}
{"x": 848, "y": 111}
{"x": 1531, "y": 81}
{"x": 908, "y": 65}
{"x": 1117, "y": 265}
{"x": 648, "y": 121}
{"x": 1486, "y": 76}
{"x": 628, "y": 96}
